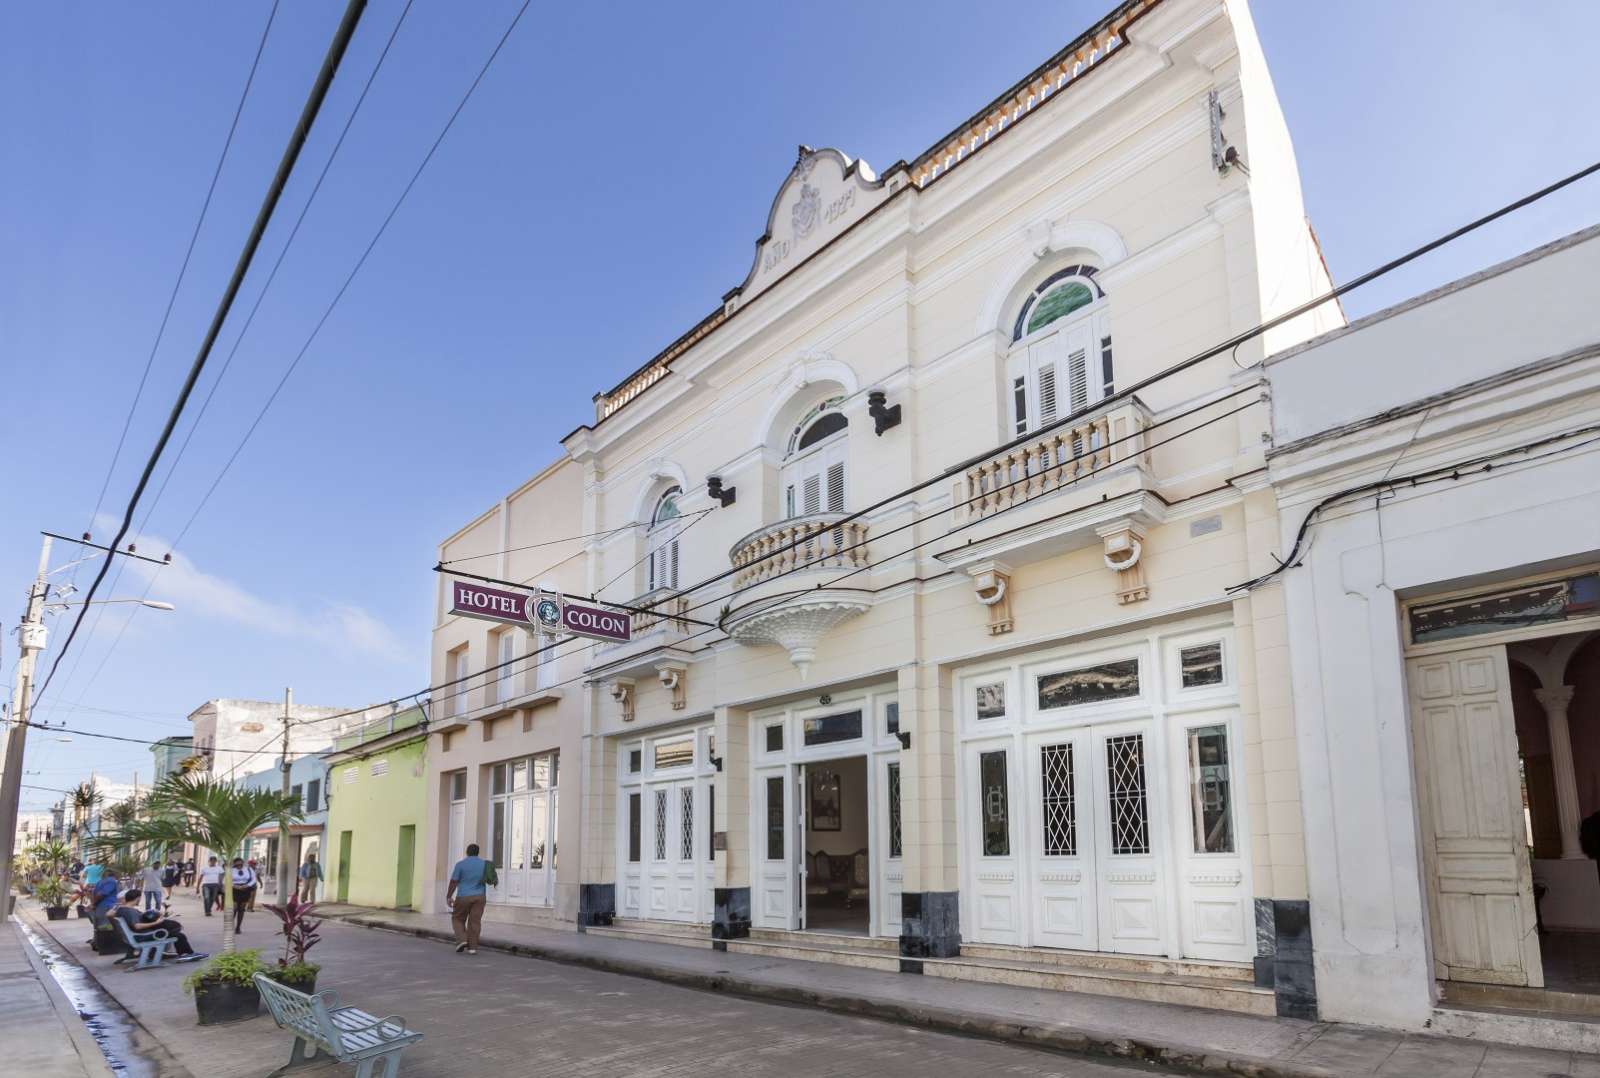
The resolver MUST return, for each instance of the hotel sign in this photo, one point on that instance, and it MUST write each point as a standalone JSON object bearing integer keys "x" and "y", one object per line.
{"x": 539, "y": 610}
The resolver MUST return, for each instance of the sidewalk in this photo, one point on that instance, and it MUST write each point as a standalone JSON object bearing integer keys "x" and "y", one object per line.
{"x": 43, "y": 1036}
{"x": 1188, "y": 1038}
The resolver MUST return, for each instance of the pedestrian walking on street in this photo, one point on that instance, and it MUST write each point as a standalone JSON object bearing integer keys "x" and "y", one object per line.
{"x": 310, "y": 876}
{"x": 211, "y": 885}
{"x": 170, "y": 876}
{"x": 255, "y": 887}
{"x": 243, "y": 881}
{"x": 150, "y": 881}
{"x": 188, "y": 872}
{"x": 465, "y": 897}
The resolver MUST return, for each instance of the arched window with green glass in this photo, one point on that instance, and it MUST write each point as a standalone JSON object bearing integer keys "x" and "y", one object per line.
{"x": 666, "y": 522}
{"x": 1060, "y": 358}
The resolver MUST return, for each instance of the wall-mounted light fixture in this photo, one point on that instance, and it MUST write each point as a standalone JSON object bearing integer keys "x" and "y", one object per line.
{"x": 714, "y": 490}
{"x": 883, "y": 417}
{"x": 905, "y": 738}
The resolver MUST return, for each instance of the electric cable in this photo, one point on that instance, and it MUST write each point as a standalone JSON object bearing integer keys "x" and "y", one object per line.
{"x": 291, "y": 154}
{"x": 360, "y": 262}
{"x": 172, "y": 298}
{"x": 567, "y": 539}
{"x": 228, "y": 360}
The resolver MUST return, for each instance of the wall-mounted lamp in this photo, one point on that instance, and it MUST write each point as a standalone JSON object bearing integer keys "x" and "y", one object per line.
{"x": 905, "y": 738}
{"x": 716, "y": 762}
{"x": 714, "y": 490}
{"x": 883, "y": 417}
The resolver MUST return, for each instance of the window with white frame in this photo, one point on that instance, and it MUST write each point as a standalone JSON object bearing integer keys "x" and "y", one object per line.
{"x": 813, "y": 475}
{"x": 666, "y": 522}
{"x": 544, "y": 669}
{"x": 499, "y": 684}
{"x": 455, "y": 669}
{"x": 1060, "y": 359}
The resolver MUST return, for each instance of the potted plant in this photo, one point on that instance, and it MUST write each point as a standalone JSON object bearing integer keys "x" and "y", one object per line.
{"x": 52, "y": 894}
{"x": 193, "y": 807}
{"x": 299, "y": 936}
{"x": 224, "y": 989}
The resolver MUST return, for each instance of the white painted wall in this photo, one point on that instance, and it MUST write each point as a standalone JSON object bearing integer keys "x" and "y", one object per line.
{"x": 1364, "y": 867}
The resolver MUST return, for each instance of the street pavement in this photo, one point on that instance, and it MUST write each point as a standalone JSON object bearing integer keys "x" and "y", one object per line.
{"x": 499, "y": 1013}
{"x": 40, "y": 1034}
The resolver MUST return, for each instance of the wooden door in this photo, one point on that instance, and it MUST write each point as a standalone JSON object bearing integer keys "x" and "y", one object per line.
{"x": 1480, "y": 885}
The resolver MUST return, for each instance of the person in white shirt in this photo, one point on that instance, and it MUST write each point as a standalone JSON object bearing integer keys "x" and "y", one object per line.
{"x": 243, "y": 881}
{"x": 211, "y": 884}
{"x": 150, "y": 881}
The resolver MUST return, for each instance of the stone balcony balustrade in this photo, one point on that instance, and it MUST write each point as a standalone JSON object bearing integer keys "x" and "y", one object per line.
{"x": 1078, "y": 484}
{"x": 776, "y": 598}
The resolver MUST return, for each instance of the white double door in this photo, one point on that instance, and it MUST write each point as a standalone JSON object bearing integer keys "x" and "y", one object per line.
{"x": 529, "y": 855}
{"x": 678, "y": 865}
{"x": 1067, "y": 846}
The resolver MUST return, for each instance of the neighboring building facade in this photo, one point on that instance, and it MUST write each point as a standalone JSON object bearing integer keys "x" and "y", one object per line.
{"x": 170, "y": 753}
{"x": 1018, "y": 710}
{"x": 33, "y": 828}
{"x": 375, "y": 804}
{"x": 1437, "y": 466}
{"x": 307, "y": 781}
{"x": 236, "y": 736}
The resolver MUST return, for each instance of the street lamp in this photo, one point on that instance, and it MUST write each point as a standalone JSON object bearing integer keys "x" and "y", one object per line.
{"x": 153, "y": 604}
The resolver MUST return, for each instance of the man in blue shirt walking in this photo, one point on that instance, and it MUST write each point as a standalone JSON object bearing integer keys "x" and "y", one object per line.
{"x": 466, "y": 895}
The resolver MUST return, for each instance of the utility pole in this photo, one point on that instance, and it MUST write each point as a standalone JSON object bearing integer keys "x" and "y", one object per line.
{"x": 283, "y": 821}
{"x": 31, "y": 635}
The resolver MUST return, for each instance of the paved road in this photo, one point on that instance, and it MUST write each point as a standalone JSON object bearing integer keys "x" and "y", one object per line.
{"x": 499, "y": 1013}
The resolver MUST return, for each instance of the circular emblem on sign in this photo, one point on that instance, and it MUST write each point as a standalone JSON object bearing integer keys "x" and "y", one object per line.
{"x": 547, "y": 612}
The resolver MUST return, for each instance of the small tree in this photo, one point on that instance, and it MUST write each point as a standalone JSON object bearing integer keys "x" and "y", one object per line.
{"x": 196, "y": 808}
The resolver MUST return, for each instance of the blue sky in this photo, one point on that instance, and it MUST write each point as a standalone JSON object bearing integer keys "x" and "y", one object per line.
{"x": 599, "y": 194}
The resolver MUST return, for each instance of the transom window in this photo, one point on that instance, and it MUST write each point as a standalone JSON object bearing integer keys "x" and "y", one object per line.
{"x": 1060, "y": 360}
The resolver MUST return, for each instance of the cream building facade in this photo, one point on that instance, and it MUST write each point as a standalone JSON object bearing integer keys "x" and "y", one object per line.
{"x": 935, "y": 663}
{"x": 506, "y": 717}
{"x": 1437, "y": 468}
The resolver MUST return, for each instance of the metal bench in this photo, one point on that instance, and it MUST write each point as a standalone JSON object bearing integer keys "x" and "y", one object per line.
{"x": 345, "y": 1033}
{"x": 151, "y": 946}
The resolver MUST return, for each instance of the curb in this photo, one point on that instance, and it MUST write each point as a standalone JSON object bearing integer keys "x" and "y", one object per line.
{"x": 1081, "y": 1042}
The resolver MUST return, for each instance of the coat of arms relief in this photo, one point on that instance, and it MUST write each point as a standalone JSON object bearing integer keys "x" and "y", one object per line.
{"x": 808, "y": 208}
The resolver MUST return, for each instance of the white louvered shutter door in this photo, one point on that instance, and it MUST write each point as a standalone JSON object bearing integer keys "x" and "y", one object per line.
{"x": 836, "y": 485}
{"x": 811, "y": 490}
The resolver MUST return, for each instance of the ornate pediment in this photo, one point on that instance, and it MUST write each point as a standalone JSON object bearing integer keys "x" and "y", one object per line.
{"x": 825, "y": 193}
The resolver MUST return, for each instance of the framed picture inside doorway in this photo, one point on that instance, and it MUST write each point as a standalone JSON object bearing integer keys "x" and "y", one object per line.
{"x": 826, "y": 810}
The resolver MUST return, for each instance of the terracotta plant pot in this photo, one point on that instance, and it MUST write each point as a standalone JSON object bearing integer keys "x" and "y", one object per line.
{"x": 220, "y": 1002}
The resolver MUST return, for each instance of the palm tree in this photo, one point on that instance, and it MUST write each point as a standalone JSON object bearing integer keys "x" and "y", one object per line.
{"x": 196, "y": 808}
{"x": 84, "y": 799}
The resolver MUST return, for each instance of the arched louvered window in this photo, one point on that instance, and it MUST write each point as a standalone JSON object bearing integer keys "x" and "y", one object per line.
{"x": 666, "y": 522}
{"x": 1060, "y": 360}
{"x": 813, "y": 475}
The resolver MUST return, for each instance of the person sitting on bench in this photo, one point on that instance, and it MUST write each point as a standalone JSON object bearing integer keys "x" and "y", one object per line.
{"x": 139, "y": 921}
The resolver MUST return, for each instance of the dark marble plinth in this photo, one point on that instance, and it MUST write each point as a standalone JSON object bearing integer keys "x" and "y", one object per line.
{"x": 930, "y": 927}
{"x": 730, "y": 918}
{"x": 597, "y": 904}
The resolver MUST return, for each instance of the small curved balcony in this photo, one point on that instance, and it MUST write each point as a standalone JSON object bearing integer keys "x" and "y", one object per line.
{"x": 776, "y": 599}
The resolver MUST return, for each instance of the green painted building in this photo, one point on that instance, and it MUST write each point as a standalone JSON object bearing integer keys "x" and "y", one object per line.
{"x": 376, "y": 800}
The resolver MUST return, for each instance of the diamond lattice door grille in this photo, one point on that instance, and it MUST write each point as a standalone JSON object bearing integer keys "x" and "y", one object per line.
{"x": 894, "y": 810}
{"x": 1060, "y": 807}
{"x": 1130, "y": 815}
{"x": 686, "y": 825}
{"x": 661, "y": 825}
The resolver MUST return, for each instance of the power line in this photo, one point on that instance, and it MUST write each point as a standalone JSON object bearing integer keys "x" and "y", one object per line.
{"x": 278, "y": 264}
{"x": 172, "y": 298}
{"x": 183, "y": 269}
{"x": 317, "y": 329}
{"x": 228, "y": 360}
{"x": 568, "y": 539}
{"x": 291, "y": 153}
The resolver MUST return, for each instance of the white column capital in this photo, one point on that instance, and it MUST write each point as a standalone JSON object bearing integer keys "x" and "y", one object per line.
{"x": 1555, "y": 699}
